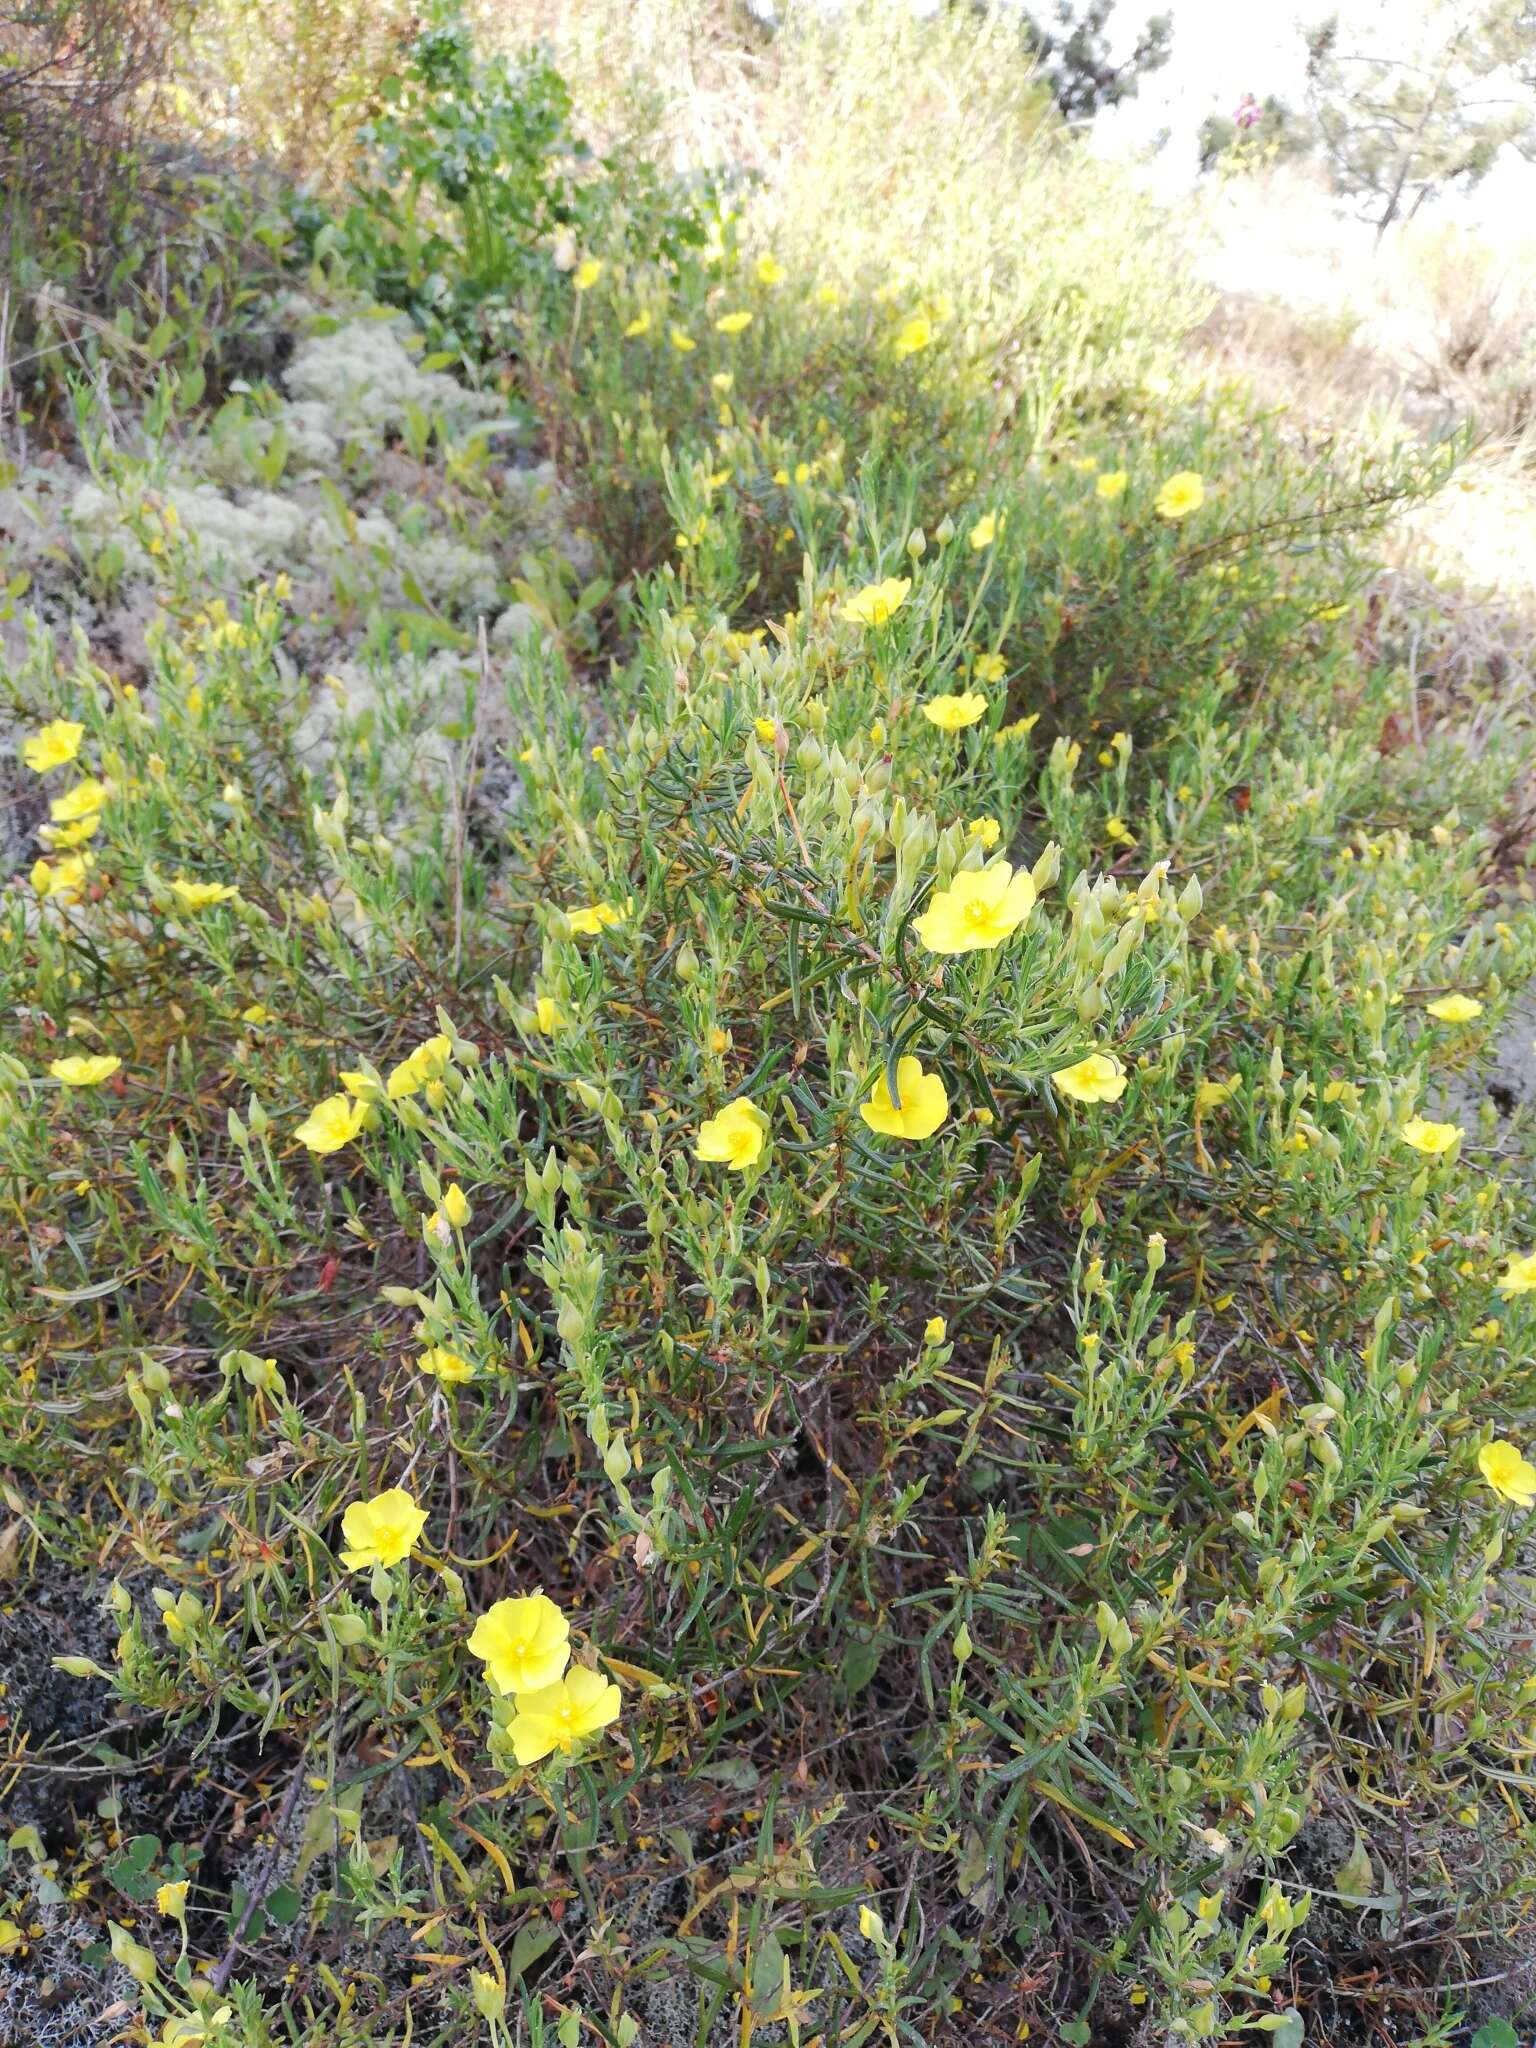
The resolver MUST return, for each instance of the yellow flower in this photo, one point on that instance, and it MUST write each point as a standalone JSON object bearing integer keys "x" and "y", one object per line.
{"x": 953, "y": 714}
{"x": 1455, "y": 1009}
{"x": 924, "y": 1103}
{"x": 332, "y": 1123}
{"x": 987, "y": 830}
{"x": 62, "y": 878}
{"x": 85, "y": 1070}
{"x": 524, "y": 1643}
{"x": 187, "y": 2030}
{"x": 989, "y": 668}
{"x": 11, "y": 1936}
{"x": 590, "y": 920}
{"x": 766, "y": 730}
{"x": 984, "y": 532}
{"x": 1511, "y": 1476}
{"x": 770, "y": 270}
{"x": 683, "y": 343}
{"x": 1426, "y": 1136}
{"x": 80, "y": 802}
{"x": 489, "y": 1993}
{"x": 587, "y": 274}
{"x": 200, "y": 895}
{"x": 453, "y": 1214}
{"x": 876, "y": 602}
{"x": 1020, "y": 729}
{"x": 63, "y": 836}
{"x": 549, "y": 1015}
{"x": 912, "y": 335}
{"x": 1111, "y": 483}
{"x": 382, "y": 1530}
{"x": 429, "y": 1062}
{"x": 171, "y": 1899}
{"x": 557, "y": 1716}
{"x": 1181, "y": 495}
{"x": 1098, "y": 1078}
{"x": 443, "y": 1364}
{"x": 732, "y": 323}
{"x": 1519, "y": 1276}
{"x": 871, "y": 1926}
{"x": 53, "y": 745}
{"x": 935, "y": 1330}
{"x": 978, "y": 910}
{"x": 1212, "y": 1094}
{"x": 641, "y": 324}
{"x": 735, "y": 1138}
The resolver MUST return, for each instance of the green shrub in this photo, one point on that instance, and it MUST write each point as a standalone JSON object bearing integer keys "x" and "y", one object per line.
{"x": 1044, "y": 1556}
{"x": 475, "y": 193}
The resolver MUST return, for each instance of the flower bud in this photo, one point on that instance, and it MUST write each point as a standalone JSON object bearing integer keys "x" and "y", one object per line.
{"x": 489, "y": 1994}
{"x": 1047, "y": 867}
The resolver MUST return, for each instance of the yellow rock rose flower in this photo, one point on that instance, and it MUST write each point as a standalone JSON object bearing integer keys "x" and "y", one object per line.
{"x": 429, "y": 1062}
{"x": 876, "y": 602}
{"x": 201, "y": 895}
{"x": 524, "y": 1643}
{"x": 735, "y": 1138}
{"x": 559, "y": 1716}
{"x": 446, "y": 1365}
{"x": 1181, "y": 495}
{"x": 1098, "y": 1078}
{"x": 83, "y": 801}
{"x": 382, "y": 1530}
{"x": 912, "y": 335}
{"x": 984, "y": 532}
{"x": 52, "y": 745}
{"x": 1511, "y": 1476}
{"x": 1519, "y": 1276}
{"x": 1424, "y": 1135}
{"x": 924, "y": 1103}
{"x": 732, "y": 323}
{"x": 953, "y": 714}
{"x": 331, "y": 1124}
{"x": 1455, "y": 1009}
{"x": 1111, "y": 484}
{"x": 85, "y": 1069}
{"x": 592, "y": 918}
{"x": 980, "y": 909}
{"x": 64, "y": 879}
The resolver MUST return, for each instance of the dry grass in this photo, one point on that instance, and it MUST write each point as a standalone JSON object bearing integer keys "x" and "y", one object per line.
{"x": 1431, "y": 333}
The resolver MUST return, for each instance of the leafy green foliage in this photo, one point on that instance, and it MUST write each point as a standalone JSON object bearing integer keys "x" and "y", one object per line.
{"x": 477, "y": 191}
{"x": 1033, "y": 1555}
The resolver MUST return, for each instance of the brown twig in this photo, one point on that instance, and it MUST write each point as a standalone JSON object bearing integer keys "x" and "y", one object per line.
{"x": 262, "y": 1885}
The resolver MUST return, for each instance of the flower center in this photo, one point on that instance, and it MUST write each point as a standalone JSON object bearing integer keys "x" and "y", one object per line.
{"x": 978, "y": 913}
